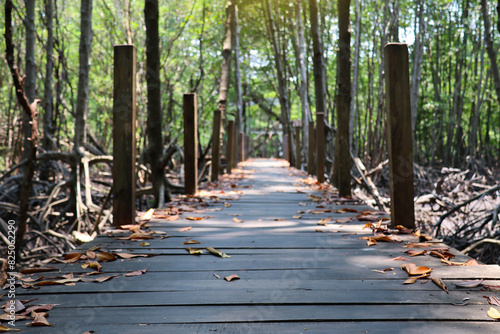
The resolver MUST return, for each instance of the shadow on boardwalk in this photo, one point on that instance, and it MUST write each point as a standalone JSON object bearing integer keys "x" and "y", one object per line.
{"x": 301, "y": 264}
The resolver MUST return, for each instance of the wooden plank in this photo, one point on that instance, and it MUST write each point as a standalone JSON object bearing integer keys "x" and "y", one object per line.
{"x": 216, "y": 145}
{"x": 124, "y": 145}
{"x": 320, "y": 147}
{"x": 399, "y": 134}
{"x": 190, "y": 144}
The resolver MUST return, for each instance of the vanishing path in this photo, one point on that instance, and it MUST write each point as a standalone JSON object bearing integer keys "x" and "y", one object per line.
{"x": 293, "y": 278}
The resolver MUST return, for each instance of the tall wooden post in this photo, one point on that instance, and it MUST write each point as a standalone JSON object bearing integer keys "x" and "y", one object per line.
{"x": 298, "y": 162}
{"x": 320, "y": 146}
{"x": 247, "y": 147}
{"x": 342, "y": 148}
{"x": 399, "y": 135}
{"x": 124, "y": 146}
{"x": 190, "y": 144}
{"x": 310, "y": 149}
{"x": 230, "y": 147}
{"x": 216, "y": 145}
{"x": 235, "y": 147}
{"x": 286, "y": 148}
{"x": 242, "y": 146}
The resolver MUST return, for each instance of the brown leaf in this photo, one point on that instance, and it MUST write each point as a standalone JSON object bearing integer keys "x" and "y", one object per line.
{"x": 417, "y": 245}
{"x": 399, "y": 258}
{"x": 439, "y": 282}
{"x": 40, "y": 320}
{"x": 40, "y": 308}
{"x": 232, "y": 277}
{"x": 492, "y": 300}
{"x": 28, "y": 271}
{"x": 171, "y": 218}
{"x": 442, "y": 254}
{"x": 470, "y": 262}
{"x": 184, "y": 229}
{"x": 236, "y": 220}
{"x": 135, "y": 273}
{"x": 416, "y": 253}
{"x": 93, "y": 264}
{"x": 148, "y": 215}
{"x": 129, "y": 256}
{"x": 188, "y": 242}
{"x": 194, "y": 251}
{"x": 18, "y": 305}
{"x": 7, "y": 317}
{"x": 72, "y": 257}
{"x": 139, "y": 236}
{"x": 194, "y": 218}
{"x": 216, "y": 276}
{"x": 412, "y": 269}
{"x": 105, "y": 256}
{"x": 411, "y": 280}
{"x": 8, "y": 329}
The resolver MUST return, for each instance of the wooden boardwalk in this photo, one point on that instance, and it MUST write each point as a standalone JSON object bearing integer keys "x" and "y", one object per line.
{"x": 293, "y": 278}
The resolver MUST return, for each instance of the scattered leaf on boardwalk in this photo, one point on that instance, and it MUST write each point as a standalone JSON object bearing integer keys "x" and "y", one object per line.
{"x": 171, "y": 218}
{"x": 148, "y": 215}
{"x": 227, "y": 205}
{"x": 494, "y": 313}
{"x": 399, "y": 258}
{"x": 144, "y": 244}
{"x": 92, "y": 264}
{"x": 8, "y": 329}
{"x": 138, "y": 236}
{"x": 217, "y": 252}
{"x": 236, "y": 220}
{"x": 105, "y": 256}
{"x": 319, "y": 230}
{"x": 135, "y": 273}
{"x": 194, "y": 251}
{"x": 417, "y": 245}
{"x": 185, "y": 229}
{"x": 39, "y": 320}
{"x": 297, "y": 216}
{"x": 194, "y": 218}
{"x": 231, "y": 277}
{"x": 216, "y": 276}
{"x": 411, "y": 280}
{"x": 28, "y": 271}
{"x": 442, "y": 254}
{"x": 470, "y": 284}
{"x": 188, "y": 242}
{"x": 416, "y": 253}
{"x": 383, "y": 271}
{"x": 470, "y": 262}
{"x": 412, "y": 269}
{"x": 72, "y": 257}
{"x": 345, "y": 210}
{"x": 439, "y": 282}
{"x": 18, "y": 305}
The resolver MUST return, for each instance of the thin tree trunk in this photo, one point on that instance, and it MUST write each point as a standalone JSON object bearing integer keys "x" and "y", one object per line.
{"x": 226, "y": 62}
{"x": 417, "y": 65}
{"x": 155, "y": 117}
{"x": 282, "y": 86}
{"x": 303, "y": 89}
{"x": 237, "y": 76}
{"x": 30, "y": 68}
{"x": 490, "y": 48}
{"x": 355, "y": 74}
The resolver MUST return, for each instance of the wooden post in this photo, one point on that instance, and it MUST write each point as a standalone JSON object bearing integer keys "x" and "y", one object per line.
{"x": 286, "y": 148}
{"x": 399, "y": 135}
{"x": 247, "y": 147}
{"x": 311, "y": 149}
{"x": 124, "y": 146}
{"x": 230, "y": 147}
{"x": 320, "y": 146}
{"x": 342, "y": 150}
{"x": 242, "y": 147}
{"x": 298, "y": 162}
{"x": 216, "y": 146}
{"x": 190, "y": 144}
{"x": 235, "y": 148}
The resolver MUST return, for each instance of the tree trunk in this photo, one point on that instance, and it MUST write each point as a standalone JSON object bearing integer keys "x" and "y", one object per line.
{"x": 490, "y": 48}
{"x": 48, "y": 142}
{"x": 417, "y": 66}
{"x": 226, "y": 62}
{"x": 319, "y": 76}
{"x": 237, "y": 78}
{"x": 303, "y": 89}
{"x": 30, "y": 67}
{"x": 82, "y": 98}
{"x": 355, "y": 74}
{"x": 282, "y": 86}
{"x": 155, "y": 117}
{"x": 342, "y": 149}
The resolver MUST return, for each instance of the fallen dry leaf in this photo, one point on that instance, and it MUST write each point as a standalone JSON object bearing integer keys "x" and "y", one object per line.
{"x": 399, "y": 258}
{"x": 148, "y": 215}
{"x": 470, "y": 283}
{"x": 144, "y": 244}
{"x": 194, "y": 218}
{"x": 8, "y": 329}
{"x": 72, "y": 257}
{"x": 297, "y": 216}
{"x": 470, "y": 262}
{"x": 18, "y": 305}
{"x": 232, "y": 277}
{"x": 383, "y": 271}
{"x": 184, "y": 229}
{"x": 227, "y": 205}
{"x": 188, "y": 242}
{"x": 138, "y": 236}
{"x": 494, "y": 313}
{"x": 194, "y": 251}
{"x": 39, "y": 320}
{"x": 236, "y": 220}
{"x": 129, "y": 256}
{"x": 492, "y": 300}
{"x": 417, "y": 244}
{"x": 105, "y": 256}
{"x": 216, "y": 276}
{"x": 7, "y": 317}
{"x": 135, "y": 273}
{"x": 28, "y": 271}
{"x": 411, "y": 280}
{"x": 416, "y": 253}
{"x": 92, "y": 264}
{"x": 439, "y": 282}
{"x": 412, "y": 269}
{"x": 217, "y": 252}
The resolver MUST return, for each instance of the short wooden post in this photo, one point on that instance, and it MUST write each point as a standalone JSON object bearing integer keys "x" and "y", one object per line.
{"x": 216, "y": 146}
{"x": 286, "y": 148}
{"x": 124, "y": 146}
{"x": 310, "y": 149}
{"x": 320, "y": 146}
{"x": 190, "y": 144}
{"x": 298, "y": 153}
{"x": 230, "y": 147}
{"x": 247, "y": 147}
{"x": 399, "y": 135}
{"x": 235, "y": 148}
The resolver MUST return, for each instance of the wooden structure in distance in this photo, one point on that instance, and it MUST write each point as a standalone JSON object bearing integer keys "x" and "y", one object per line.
{"x": 320, "y": 146}
{"x": 216, "y": 146}
{"x": 124, "y": 143}
{"x": 190, "y": 144}
{"x": 399, "y": 135}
